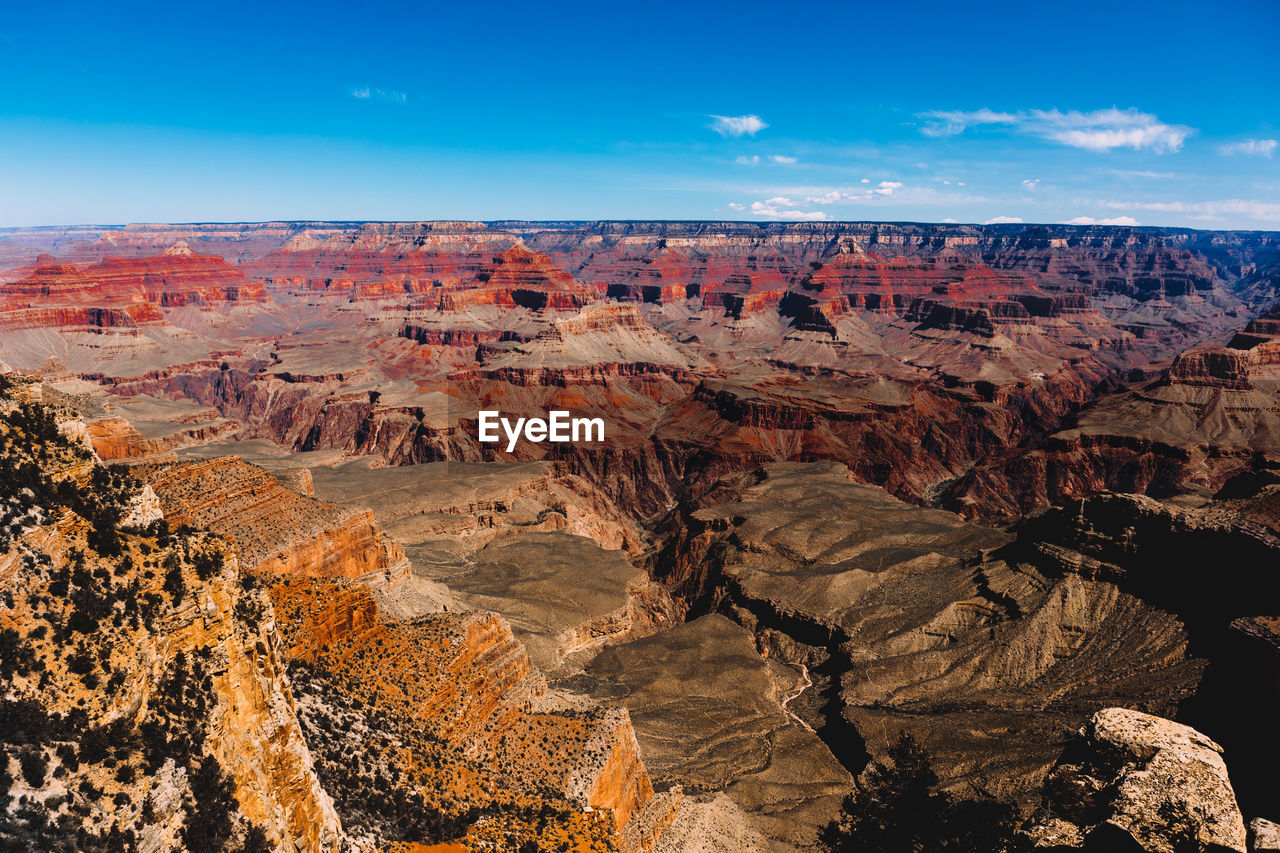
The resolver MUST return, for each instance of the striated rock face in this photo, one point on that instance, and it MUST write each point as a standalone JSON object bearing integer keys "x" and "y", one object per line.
{"x": 115, "y": 439}
{"x": 144, "y": 667}
{"x": 276, "y": 530}
{"x": 1134, "y": 781}
{"x": 175, "y": 278}
{"x": 1210, "y": 417}
{"x": 462, "y": 696}
{"x": 520, "y": 278}
{"x": 905, "y": 619}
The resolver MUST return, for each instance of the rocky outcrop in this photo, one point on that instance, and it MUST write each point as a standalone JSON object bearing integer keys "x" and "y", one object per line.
{"x": 115, "y": 439}
{"x": 149, "y": 672}
{"x": 1264, "y": 836}
{"x": 520, "y": 278}
{"x": 277, "y": 531}
{"x": 1134, "y": 781}
{"x": 492, "y": 728}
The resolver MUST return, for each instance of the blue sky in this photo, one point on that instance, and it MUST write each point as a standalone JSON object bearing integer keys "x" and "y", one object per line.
{"x": 1161, "y": 114}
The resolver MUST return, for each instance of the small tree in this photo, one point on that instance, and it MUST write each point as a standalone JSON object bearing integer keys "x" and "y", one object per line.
{"x": 898, "y": 809}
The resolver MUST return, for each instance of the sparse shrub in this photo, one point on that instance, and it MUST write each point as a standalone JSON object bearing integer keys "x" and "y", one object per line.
{"x": 174, "y": 584}
{"x": 207, "y": 563}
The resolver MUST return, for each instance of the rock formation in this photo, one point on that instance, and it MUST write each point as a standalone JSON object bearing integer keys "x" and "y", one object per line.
{"x": 1134, "y": 781}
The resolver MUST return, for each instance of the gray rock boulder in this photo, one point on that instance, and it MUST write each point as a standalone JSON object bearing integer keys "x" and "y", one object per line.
{"x": 1264, "y": 836}
{"x": 1133, "y": 781}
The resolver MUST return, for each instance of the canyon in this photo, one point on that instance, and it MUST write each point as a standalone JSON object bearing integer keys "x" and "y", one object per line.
{"x": 1004, "y": 491}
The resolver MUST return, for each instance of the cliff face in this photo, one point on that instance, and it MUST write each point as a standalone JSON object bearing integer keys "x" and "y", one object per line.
{"x": 276, "y": 530}
{"x": 145, "y": 676}
{"x": 1211, "y": 416}
{"x": 175, "y": 278}
{"x": 476, "y": 718}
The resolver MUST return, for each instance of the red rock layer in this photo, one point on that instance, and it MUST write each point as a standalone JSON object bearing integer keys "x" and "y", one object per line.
{"x": 277, "y": 531}
{"x": 524, "y": 279}
{"x": 120, "y": 291}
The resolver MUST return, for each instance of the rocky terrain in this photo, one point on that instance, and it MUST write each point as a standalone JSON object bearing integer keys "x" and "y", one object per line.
{"x": 991, "y": 502}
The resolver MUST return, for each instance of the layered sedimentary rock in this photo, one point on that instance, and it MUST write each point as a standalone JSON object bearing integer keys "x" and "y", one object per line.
{"x": 909, "y": 620}
{"x": 473, "y": 717}
{"x": 1211, "y": 416}
{"x": 924, "y": 357}
{"x": 519, "y": 278}
{"x": 277, "y": 531}
{"x": 429, "y": 730}
{"x": 175, "y": 278}
{"x": 144, "y": 676}
{"x": 984, "y": 369}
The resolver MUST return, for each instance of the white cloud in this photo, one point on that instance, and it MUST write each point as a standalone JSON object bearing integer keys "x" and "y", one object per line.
{"x": 887, "y": 187}
{"x": 783, "y": 159}
{"x": 1099, "y": 130}
{"x": 748, "y": 161}
{"x": 748, "y": 125}
{"x": 365, "y": 93}
{"x": 1002, "y": 220}
{"x": 1262, "y": 210}
{"x": 783, "y": 208}
{"x": 1114, "y": 220}
{"x": 866, "y": 180}
{"x": 1250, "y": 148}
{"x": 733, "y": 205}
{"x": 1030, "y": 183}
{"x": 959, "y": 183}
{"x": 829, "y": 198}
{"x": 949, "y": 220}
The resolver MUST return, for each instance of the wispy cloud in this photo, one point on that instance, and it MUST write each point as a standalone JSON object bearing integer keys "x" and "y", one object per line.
{"x": 1140, "y": 173}
{"x": 366, "y": 93}
{"x": 951, "y": 122}
{"x": 756, "y": 160}
{"x": 1250, "y": 148}
{"x": 1003, "y": 220}
{"x": 1261, "y": 210}
{"x": 1098, "y": 130}
{"x": 748, "y": 125}
{"x": 1114, "y": 220}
